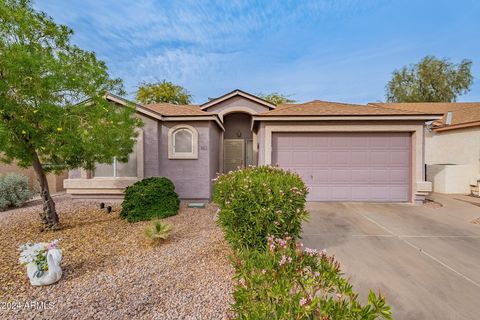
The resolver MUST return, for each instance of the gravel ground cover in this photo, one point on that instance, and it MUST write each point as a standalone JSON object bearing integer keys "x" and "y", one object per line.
{"x": 111, "y": 273}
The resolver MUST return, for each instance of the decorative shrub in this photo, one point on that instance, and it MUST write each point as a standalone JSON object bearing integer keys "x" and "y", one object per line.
{"x": 14, "y": 191}
{"x": 150, "y": 198}
{"x": 157, "y": 232}
{"x": 287, "y": 282}
{"x": 259, "y": 201}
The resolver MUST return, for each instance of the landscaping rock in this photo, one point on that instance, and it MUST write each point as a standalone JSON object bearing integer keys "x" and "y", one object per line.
{"x": 110, "y": 272}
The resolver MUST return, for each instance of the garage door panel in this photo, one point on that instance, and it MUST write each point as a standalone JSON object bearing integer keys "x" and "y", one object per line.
{"x": 379, "y": 142}
{"x": 400, "y": 176}
{"x": 359, "y": 142}
{"x": 360, "y": 193}
{"x": 348, "y": 166}
{"x": 341, "y": 193}
{"x": 284, "y": 157}
{"x": 339, "y": 141}
{"x": 399, "y": 158}
{"x": 381, "y": 176}
{"x": 320, "y": 158}
{"x": 399, "y": 142}
{"x": 380, "y": 193}
{"x": 379, "y": 158}
{"x": 320, "y": 142}
{"x": 360, "y": 176}
{"x": 302, "y": 158}
{"x": 398, "y": 193}
{"x": 338, "y": 176}
{"x": 338, "y": 158}
{"x": 318, "y": 193}
{"x": 360, "y": 158}
{"x": 303, "y": 141}
{"x": 320, "y": 176}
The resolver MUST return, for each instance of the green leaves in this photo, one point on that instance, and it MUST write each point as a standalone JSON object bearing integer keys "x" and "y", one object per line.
{"x": 276, "y": 98}
{"x": 256, "y": 202}
{"x": 43, "y": 78}
{"x": 162, "y": 92}
{"x": 150, "y": 198}
{"x": 431, "y": 80}
{"x": 286, "y": 282}
{"x": 158, "y": 231}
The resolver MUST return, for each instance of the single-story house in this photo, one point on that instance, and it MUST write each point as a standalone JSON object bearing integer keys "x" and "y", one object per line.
{"x": 452, "y": 145}
{"x": 343, "y": 152}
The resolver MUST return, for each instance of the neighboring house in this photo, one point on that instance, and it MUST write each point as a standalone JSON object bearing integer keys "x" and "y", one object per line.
{"x": 55, "y": 182}
{"x": 452, "y": 145}
{"x": 343, "y": 152}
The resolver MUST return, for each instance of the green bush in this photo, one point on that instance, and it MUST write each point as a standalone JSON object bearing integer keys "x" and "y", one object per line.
{"x": 14, "y": 191}
{"x": 259, "y": 201}
{"x": 150, "y": 198}
{"x": 287, "y": 282}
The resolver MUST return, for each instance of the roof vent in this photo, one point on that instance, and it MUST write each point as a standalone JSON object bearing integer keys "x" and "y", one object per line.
{"x": 448, "y": 120}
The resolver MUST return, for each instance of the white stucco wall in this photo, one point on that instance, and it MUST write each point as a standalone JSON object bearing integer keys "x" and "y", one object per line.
{"x": 452, "y": 159}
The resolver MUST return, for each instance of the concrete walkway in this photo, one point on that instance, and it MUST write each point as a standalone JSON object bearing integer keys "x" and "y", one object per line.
{"x": 426, "y": 261}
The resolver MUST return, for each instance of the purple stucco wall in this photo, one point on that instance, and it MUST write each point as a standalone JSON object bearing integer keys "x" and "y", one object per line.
{"x": 191, "y": 176}
{"x": 237, "y": 102}
{"x": 261, "y": 144}
{"x": 215, "y": 136}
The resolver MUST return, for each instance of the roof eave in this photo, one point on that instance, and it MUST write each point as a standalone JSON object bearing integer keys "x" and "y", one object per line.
{"x": 425, "y": 117}
{"x": 195, "y": 118}
{"x": 458, "y": 126}
{"x": 234, "y": 93}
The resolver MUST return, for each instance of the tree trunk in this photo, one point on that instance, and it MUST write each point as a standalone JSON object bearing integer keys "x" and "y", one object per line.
{"x": 49, "y": 215}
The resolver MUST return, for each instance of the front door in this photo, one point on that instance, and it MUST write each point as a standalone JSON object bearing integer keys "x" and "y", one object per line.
{"x": 233, "y": 154}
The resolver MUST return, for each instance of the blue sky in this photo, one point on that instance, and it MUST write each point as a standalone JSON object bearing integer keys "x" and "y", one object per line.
{"x": 329, "y": 50}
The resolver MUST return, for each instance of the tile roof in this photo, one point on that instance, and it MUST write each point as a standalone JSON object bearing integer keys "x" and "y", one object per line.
{"x": 462, "y": 112}
{"x": 326, "y": 108}
{"x": 169, "y": 109}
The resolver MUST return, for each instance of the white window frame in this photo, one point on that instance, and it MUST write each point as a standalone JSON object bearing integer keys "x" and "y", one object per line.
{"x": 171, "y": 143}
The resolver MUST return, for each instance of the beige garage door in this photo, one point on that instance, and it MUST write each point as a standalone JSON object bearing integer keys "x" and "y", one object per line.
{"x": 348, "y": 166}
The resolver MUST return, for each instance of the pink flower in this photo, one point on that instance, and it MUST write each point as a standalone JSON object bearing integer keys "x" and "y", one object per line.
{"x": 242, "y": 282}
{"x": 303, "y": 302}
{"x": 311, "y": 252}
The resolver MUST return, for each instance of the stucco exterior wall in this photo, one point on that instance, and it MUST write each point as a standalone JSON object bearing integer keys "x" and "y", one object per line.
{"x": 261, "y": 144}
{"x": 236, "y": 104}
{"x": 215, "y": 136}
{"x": 449, "y": 178}
{"x": 191, "y": 176}
{"x": 419, "y": 186}
{"x": 454, "y": 151}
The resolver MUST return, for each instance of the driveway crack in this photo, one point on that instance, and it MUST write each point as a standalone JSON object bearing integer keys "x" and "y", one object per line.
{"x": 404, "y": 240}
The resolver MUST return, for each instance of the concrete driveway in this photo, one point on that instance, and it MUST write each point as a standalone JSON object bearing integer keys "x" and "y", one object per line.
{"x": 426, "y": 261}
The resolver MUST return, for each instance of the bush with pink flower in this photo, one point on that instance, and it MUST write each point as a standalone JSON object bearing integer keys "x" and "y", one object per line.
{"x": 287, "y": 281}
{"x": 259, "y": 201}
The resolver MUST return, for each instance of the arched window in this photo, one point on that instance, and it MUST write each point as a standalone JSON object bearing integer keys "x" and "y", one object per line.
{"x": 182, "y": 142}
